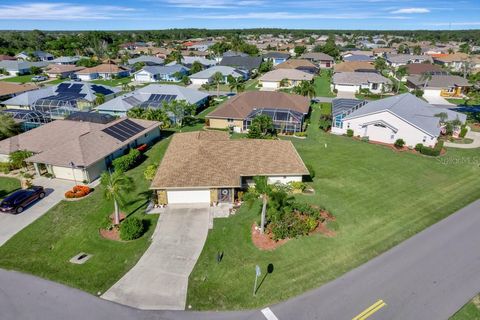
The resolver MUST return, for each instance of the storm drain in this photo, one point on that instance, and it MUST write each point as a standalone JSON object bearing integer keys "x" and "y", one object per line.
{"x": 81, "y": 258}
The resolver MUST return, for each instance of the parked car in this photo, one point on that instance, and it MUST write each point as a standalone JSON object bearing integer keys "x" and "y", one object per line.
{"x": 17, "y": 201}
{"x": 39, "y": 78}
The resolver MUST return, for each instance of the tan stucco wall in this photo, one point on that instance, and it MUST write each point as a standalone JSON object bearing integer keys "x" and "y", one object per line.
{"x": 223, "y": 123}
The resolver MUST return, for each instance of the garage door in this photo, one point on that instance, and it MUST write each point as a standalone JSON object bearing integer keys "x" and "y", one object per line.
{"x": 347, "y": 88}
{"x": 188, "y": 196}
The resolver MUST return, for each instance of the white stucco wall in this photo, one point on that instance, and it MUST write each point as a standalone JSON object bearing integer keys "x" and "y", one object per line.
{"x": 270, "y": 84}
{"x": 199, "y": 82}
{"x": 283, "y": 179}
{"x": 143, "y": 77}
{"x": 69, "y": 173}
{"x": 409, "y": 133}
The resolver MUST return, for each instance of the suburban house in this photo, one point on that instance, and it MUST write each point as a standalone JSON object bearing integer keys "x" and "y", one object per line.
{"x": 147, "y": 61}
{"x": 11, "y": 89}
{"x": 288, "y": 111}
{"x": 152, "y": 96}
{"x": 322, "y": 60}
{"x": 27, "y": 119}
{"x": 18, "y": 68}
{"x": 454, "y": 61}
{"x": 7, "y": 57}
{"x": 173, "y": 73}
{"x": 103, "y": 71}
{"x": 398, "y": 117}
{"x": 299, "y": 64}
{"x": 250, "y": 64}
{"x": 35, "y": 56}
{"x": 61, "y": 70}
{"x": 62, "y": 99}
{"x": 382, "y": 52}
{"x": 439, "y": 85}
{"x": 356, "y": 81}
{"x": 66, "y": 60}
{"x": 278, "y": 78}
{"x": 189, "y": 60}
{"x": 207, "y": 167}
{"x": 94, "y": 117}
{"x": 422, "y": 68}
{"x": 354, "y": 66}
{"x": 358, "y": 57}
{"x": 77, "y": 150}
{"x": 397, "y": 60}
{"x": 206, "y": 76}
{"x": 276, "y": 57}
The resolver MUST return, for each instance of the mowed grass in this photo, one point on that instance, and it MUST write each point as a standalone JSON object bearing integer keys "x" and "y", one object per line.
{"x": 379, "y": 197}
{"x": 113, "y": 82}
{"x": 322, "y": 85}
{"x": 44, "y": 247}
{"x": 470, "y": 311}
{"x": 8, "y": 185}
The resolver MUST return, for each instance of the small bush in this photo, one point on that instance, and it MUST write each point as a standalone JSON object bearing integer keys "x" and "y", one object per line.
{"x": 433, "y": 152}
{"x": 131, "y": 229}
{"x": 311, "y": 170}
{"x": 463, "y": 132}
{"x": 399, "y": 143}
{"x": 150, "y": 172}
{"x": 127, "y": 161}
{"x": 5, "y": 167}
{"x": 78, "y": 192}
{"x": 107, "y": 223}
{"x": 365, "y": 139}
{"x": 419, "y": 147}
{"x": 301, "y": 134}
{"x": 297, "y": 185}
{"x": 349, "y": 133}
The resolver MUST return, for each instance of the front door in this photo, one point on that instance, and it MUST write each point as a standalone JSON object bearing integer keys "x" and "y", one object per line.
{"x": 225, "y": 195}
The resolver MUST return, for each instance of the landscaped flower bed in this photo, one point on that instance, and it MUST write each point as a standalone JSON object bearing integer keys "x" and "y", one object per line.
{"x": 78, "y": 191}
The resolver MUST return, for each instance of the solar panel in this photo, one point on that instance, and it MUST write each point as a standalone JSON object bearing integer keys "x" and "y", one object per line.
{"x": 132, "y": 101}
{"x": 101, "y": 90}
{"x": 124, "y": 130}
{"x": 161, "y": 97}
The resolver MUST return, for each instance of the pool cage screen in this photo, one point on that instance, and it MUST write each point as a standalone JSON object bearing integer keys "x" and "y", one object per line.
{"x": 56, "y": 107}
{"x": 284, "y": 121}
{"x": 28, "y": 119}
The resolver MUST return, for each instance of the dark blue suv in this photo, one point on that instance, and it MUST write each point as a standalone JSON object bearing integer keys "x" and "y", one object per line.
{"x": 19, "y": 200}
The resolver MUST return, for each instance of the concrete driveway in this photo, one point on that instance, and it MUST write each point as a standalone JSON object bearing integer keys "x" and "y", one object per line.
{"x": 475, "y": 136}
{"x": 436, "y": 99}
{"x": 160, "y": 278}
{"x": 346, "y": 95}
{"x": 10, "y": 224}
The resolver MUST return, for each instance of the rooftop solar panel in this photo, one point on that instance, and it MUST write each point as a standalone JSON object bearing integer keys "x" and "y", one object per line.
{"x": 124, "y": 130}
{"x": 101, "y": 90}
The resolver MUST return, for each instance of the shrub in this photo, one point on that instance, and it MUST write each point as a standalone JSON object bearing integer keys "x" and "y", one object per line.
{"x": 77, "y": 192}
{"x": 325, "y": 122}
{"x": 4, "y": 167}
{"x": 463, "y": 132}
{"x": 365, "y": 139}
{"x": 349, "y": 133}
{"x": 399, "y": 143}
{"x": 419, "y": 147}
{"x": 127, "y": 161}
{"x": 107, "y": 223}
{"x": 311, "y": 170}
{"x": 433, "y": 152}
{"x": 131, "y": 229}
{"x": 301, "y": 134}
{"x": 297, "y": 185}
{"x": 150, "y": 172}
{"x": 69, "y": 194}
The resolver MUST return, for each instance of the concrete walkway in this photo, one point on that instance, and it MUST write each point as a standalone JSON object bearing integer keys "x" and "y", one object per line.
{"x": 475, "y": 136}
{"x": 11, "y": 224}
{"x": 160, "y": 278}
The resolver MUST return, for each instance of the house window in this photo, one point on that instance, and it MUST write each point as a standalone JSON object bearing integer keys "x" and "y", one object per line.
{"x": 392, "y": 137}
{"x": 424, "y": 139}
{"x": 229, "y": 120}
{"x": 348, "y": 125}
{"x": 374, "y": 86}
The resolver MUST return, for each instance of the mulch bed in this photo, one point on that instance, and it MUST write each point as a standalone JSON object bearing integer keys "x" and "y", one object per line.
{"x": 114, "y": 233}
{"x": 265, "y": 241}
{"x": 403, "y": 149}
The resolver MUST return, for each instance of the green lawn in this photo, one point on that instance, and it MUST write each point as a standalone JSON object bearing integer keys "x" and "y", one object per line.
{"x": 113, "y": 82}
{"x": 379, "y": 197}
{"x": 45, "y": 246}
{"x": 322, "y": 85}
{"x": 8, "y": 185}
{"x": 20, "y": 79}
{"x": 470, "y": 311}
{"x": 469, "y": 102}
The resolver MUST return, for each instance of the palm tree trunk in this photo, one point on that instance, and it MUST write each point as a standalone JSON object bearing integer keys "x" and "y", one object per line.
{"x": 117, "y": 213}
{"x": 262, "y": 219}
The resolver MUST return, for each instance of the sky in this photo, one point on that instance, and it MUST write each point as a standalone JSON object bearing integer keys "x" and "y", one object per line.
{"x": 231, "y": 14}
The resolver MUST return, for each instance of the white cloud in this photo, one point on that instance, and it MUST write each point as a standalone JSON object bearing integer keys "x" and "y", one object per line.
{"x": 61, "y": 11}
{"x": 213, "y": 4}
{"x": 410, "y": 10}
{"x": 279, "y": 16}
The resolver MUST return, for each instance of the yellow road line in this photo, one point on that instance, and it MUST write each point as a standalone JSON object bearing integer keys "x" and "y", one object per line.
{"x": 370, "y": 310}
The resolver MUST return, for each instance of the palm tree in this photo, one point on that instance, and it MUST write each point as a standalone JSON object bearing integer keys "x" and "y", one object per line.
{"x": 218, "y": 79}
{"x": 284, "y": 82}
{"x": 236, "y": 84}
{"x": 263, "y": 188}
{"x": 8, "y": 126}
{"x": 99, "y": 99}
{"x": 400, "y": 73}
{"x": 305, "y": 88}
{"x": 425, "y": 77}
{"x": 136, "y": 113}
{"x": 115, "y": 185}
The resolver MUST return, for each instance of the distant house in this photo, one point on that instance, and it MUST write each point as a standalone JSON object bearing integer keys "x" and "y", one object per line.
{"x": 398, "y": 117}
{"x": 10, "y": 89}
{"x": 382, "y": 52}
{"x": 147, "y": 60}
{"x": 276, "y": 57}
{"x": 358, "y": 57}
{"x": 173, "y": 73}
{"x": 35, "y": 55}
{"x": 206, "y": 76}
{"x": 77, "y": 150}
{"x": 250, "y": 64}
{"x": 288, "y": 111}
{"x": 321, "y": 59}
{"x": 354, "y": 66}
{"x": 62, "y": 99}
{"x": 66, "y": 60}
{"x": 356, "y": 81}
{"x": 231, "y": 53}
{"x": 299, "y": 64}
{"x": 103, "y": 71}
{"x": 454, "y": 61}
{"x": 19, "y": 68}
{"x": 273, "y": 79}
{"x": 421, "y": 68}
{"x": 7, "y": 57}
{"x": 189, "y": 60}
{"x": 152, "y": 96}
{"x": 439, "y": 85}
{"x": 397, "y": 60}
{"x": 61, "y": 70}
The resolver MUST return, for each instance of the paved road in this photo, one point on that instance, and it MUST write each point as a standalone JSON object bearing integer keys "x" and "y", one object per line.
{"x": 429, "y": 276}
{"x": 159, "y": 280}
{"x": 475, "y": 136}
{"x": 11, "y": 224}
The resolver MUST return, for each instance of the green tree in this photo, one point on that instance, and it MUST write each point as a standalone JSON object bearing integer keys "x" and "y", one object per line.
{"x": 380, "y": 64}
{"x": 236, "y": 84}
{"x": 265, "y": 66}
{"x": 305, "y": 88}
{"x": 35, "y": 70}
{"x": 217, "y": 80}
{"x": 136, "y": 113}
{"x": 8, "y": 126}
{"x": 115, "y": 186}
{"x": 99, "y": 99}
{"x": 425, "y": 77}
{"x": 17, "y": 158}
{"x": 196, "y": 67}
{"x": 261, "y": 128}
{"x": 185, "y": 80}
{"x": 417, "y": 50}
{"x": 299, "y": 50}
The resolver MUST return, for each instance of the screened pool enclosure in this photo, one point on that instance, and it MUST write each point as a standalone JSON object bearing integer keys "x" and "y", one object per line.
{"x": 284, "y": 120}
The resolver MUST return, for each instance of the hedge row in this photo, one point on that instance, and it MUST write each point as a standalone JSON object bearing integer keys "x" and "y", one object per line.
{"x": 434, "y": 152}
{"x": 127, "y": 161}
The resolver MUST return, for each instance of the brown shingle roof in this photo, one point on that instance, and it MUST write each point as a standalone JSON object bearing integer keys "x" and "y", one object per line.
{"x": 241, "y": 105}
{"x": 103, "y": 68}
{"x": 9, "y": 88}
{"x": 352, "y": 66}
{"x": 63, "y": 141}
{"x": 61, "y": 68}
{"x": 420, "y": 68}
{"x": 295, "y": 64}
{"x": 211, "y": 159}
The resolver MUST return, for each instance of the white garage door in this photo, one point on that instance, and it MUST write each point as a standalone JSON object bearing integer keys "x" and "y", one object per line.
{"x": 188, "y": 196}
{"x": 347, "y": 88}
